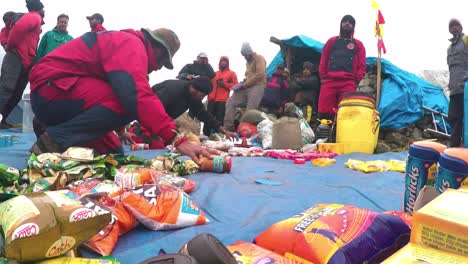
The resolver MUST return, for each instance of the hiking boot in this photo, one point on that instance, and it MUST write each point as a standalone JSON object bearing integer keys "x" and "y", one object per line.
{"x": 44, "y": 144}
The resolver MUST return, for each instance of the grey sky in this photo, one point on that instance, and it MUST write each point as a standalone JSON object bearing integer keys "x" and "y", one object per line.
{"x": 416, "y": 32}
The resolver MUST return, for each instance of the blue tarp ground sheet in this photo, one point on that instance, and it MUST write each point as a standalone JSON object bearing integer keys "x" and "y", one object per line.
{"x": 239, "y": 209}
{"x": 403, "y": 93}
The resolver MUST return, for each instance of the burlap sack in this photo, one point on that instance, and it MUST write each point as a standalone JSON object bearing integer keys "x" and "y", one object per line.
{"x": 185, "y": 123}
{"x": 253, "y": 117}
{"x": 287, "y": 134}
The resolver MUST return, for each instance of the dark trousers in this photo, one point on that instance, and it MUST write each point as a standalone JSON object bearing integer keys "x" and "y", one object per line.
{"x": 217, "y": 109}
{"x": 13, "y": 81}
{"x": 455, "y": 118}
{"x": 85, "y": 115}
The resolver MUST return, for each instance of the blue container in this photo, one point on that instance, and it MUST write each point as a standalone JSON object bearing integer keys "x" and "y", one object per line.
{"x": 452, "y": 169}
{"x": 421, "y": 169}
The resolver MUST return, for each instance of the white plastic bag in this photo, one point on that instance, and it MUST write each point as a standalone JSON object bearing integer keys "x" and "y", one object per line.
{"x": 264, "y": 130}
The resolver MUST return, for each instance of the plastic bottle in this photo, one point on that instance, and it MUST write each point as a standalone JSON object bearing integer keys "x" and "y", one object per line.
{"x": 324, "y": 129}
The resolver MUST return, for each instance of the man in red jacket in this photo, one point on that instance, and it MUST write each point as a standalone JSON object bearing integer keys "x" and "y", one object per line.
{"x": 95, "y": 22}
{"x": 342, "y": 67}
{"x": 89, "y": 87}
{"x": 222, "y": 82}
{"x": 22, "y": 38}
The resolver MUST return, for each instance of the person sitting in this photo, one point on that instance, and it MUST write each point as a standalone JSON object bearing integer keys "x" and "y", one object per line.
{"x": 276, "y": 92}
{"x": 178, "y": 96}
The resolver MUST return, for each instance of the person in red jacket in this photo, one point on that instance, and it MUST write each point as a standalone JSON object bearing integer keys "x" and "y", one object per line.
{"x": 90, "y": 86}
{"x": 21, "y": 45}
{"x": 342, "y": 67}
{"x": 95, "y": 22}
{"x": 222, "y": 82}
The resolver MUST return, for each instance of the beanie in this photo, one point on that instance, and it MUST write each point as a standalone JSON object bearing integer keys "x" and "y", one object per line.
{"x": 202, "y": 84}
{"x": 34, "y": 5}
{"x": 246, "y": 49}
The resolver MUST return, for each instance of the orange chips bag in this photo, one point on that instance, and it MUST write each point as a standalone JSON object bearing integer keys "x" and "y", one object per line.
{"x": 248, "y": 253}
{"x": 334, "y": 233}
{"x": 162, "y": 207}
{"x": 122, "y": 221}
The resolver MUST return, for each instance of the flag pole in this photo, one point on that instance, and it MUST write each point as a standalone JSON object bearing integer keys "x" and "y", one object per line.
{"x": 379, "y": 75}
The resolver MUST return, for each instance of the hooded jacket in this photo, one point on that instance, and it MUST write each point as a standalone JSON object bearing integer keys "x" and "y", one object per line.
{"x": 50, "y": 41}
{"x": 23, "y": 37}
{"x": 457, "y": 61}
{"x": 358, "y": 63}
{"x": 122, "y": 58}
{"x": 221, "y": 94}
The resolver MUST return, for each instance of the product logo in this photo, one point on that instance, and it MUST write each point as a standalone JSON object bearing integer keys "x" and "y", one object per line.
{"x": 350, "y": 46}
{"x": 60, "y": 246}
{"x": 264, "y": 260}
{"x": 412, "y": 189}
{"x": 26, "y": 230}
{"x": 443, "y": 186}
{"x": 81, "y": 214}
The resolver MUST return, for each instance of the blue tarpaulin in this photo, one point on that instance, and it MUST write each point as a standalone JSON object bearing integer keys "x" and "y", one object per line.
{"x": 239, "y": 208}
{"x": 402, "y": 93}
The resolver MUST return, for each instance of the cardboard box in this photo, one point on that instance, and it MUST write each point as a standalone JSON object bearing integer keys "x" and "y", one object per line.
{"x": 443, "y": 223}
{"x": 412, "y": 253}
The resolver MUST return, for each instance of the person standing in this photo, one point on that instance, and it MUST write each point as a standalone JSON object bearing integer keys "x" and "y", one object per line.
{"x": 276, "y": 92}
{"x": 457, "y": 60}
{"x": 95, "y": 22}
{"x": 54, "y": 38}
{"x": 20, "y": 47}
{"x": 248, "y": 93}
{"x": 342, "y": 67}
{"x": 199, "y": 67}
{"x": 222, "y": 83}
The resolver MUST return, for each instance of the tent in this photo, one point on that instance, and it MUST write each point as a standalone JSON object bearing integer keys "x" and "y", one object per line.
{"x": 402, "y": 93}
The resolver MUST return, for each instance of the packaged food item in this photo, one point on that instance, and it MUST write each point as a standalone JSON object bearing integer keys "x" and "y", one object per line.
{"x": 219, "y": 164}
{"x": 70, "y": 260}
{"x": 44, "y": 225}
{"x": 184, "y": 184}
{"x": 79, "y": 154}
{"x": 162, "y": 207}
{"x": 139, "y": 146}
{"x": 90, "y": 186}
{"x": 416, "y": 254}
{"x": 122, "y": 221}
{"x": 442, "y": 223}
{"x": 334, "y": 233}
{"x": 8, "y": 175}
{"x": 248, "y": 253}
{"x": 130, "y": 176}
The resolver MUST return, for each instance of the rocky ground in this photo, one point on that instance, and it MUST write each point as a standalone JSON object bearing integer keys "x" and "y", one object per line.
{"x": 400, "y": 139}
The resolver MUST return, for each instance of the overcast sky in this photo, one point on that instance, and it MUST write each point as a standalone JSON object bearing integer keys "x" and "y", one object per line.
{"x": 416, "y": 32}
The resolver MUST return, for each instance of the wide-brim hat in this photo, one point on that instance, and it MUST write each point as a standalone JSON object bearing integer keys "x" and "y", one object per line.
{"x": 168, "y": 39}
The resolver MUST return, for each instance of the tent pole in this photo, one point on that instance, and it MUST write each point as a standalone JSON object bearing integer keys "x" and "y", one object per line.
{"x": 379, "y": 78}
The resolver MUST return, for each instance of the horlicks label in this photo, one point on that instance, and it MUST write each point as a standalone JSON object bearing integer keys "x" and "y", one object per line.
{"x": 448, "y": 179}
{"x": 415, "y": 179}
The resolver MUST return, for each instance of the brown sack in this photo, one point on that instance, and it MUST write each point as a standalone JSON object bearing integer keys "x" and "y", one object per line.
{"x": 287, "y": 134}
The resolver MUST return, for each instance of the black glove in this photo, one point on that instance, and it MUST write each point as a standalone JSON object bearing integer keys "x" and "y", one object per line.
{"x": 221, "y": 83}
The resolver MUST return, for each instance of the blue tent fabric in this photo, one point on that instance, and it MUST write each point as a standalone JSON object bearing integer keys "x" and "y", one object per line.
{"x": 239, "y": 209}
{"x": 299, "y": 41}
{"x": 402, "y": 93}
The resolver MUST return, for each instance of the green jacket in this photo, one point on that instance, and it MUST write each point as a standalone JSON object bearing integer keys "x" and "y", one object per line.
{"x": 50, "y": 41}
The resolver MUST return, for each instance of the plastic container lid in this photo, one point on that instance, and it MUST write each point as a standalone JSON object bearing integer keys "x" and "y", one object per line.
{"x": 426, "y": 150}
{"x": 454, "y": 159}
